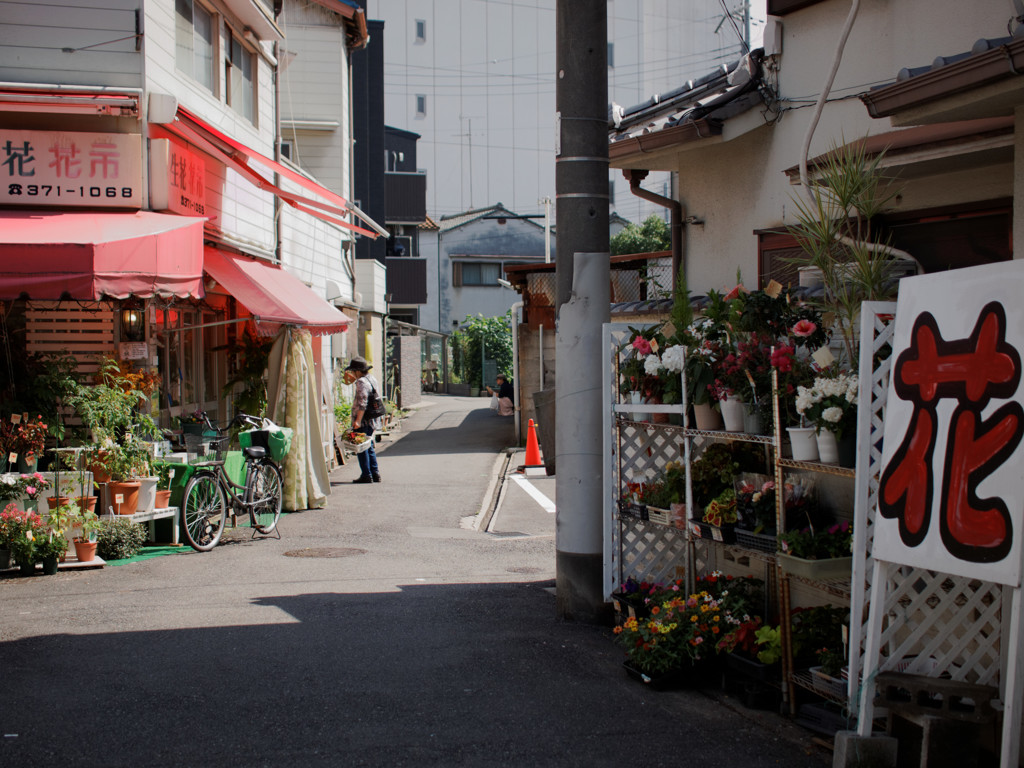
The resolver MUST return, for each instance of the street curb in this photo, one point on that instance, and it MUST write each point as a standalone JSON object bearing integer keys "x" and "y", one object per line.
{"x": 492, "y": 496}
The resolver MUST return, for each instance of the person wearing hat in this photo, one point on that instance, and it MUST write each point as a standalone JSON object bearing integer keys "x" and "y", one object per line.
{"x": 358, "y": 372}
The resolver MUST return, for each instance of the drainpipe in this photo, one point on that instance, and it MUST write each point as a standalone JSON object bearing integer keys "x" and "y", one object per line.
{"x": 634, "y": 176}
{"x": 514, "y": 321}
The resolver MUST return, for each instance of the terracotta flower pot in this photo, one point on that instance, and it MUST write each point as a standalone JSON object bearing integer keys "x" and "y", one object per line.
{"x": 85, "y": 551}
{"x": 87, "y": 503}
{"x": 163, "y": 499}
{"x": 128, "y": 493}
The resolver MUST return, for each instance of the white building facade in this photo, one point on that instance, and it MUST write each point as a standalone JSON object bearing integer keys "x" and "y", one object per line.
{"x": 476, "y": 79}
{"x": 186, "y": 91}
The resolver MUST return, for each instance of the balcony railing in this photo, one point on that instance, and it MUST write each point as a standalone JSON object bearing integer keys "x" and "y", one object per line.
{"x": 407, "y": 198}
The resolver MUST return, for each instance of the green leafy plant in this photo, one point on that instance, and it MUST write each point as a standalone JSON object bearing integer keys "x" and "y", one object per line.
{"x": 247, "y": 384}
{"x": 769, "y": 644}
{"x": 118, "y": 538}
{"x": 87, "y": 522}
{"x": 814, "y": 628}
{"x": 495, "y": 334}
{"x": 650, "y": 236}
{"x": 834, "y": 228}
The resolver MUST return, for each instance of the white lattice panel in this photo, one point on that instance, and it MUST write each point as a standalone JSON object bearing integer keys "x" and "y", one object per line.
{"x": 652, "y": 552}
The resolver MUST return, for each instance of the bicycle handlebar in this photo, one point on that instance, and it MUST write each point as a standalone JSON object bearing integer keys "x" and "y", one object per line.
{"x": 240, "y": 419}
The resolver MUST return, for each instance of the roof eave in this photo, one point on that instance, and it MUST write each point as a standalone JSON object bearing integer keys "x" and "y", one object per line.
{"x": 685, "y": 133}
{"x": 1000, "y": 63}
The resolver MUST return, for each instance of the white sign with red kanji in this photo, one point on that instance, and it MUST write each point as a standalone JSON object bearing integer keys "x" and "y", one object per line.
{"x": 951, "y": 492}
{"x": 177, "y": 179}
{"x": 70, "y": 169}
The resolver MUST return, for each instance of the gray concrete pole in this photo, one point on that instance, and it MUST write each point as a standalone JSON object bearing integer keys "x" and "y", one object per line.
{"x": 581, "y": 192}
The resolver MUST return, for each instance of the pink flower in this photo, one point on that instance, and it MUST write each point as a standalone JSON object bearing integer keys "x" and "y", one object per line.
{"x": 642, "y": 345}
{"x": 804, "y": 328}
{"x": 30, "y": 490}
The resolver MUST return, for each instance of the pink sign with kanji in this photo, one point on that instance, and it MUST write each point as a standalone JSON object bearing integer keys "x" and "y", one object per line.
{"x": 951, "y": 492}
{"x": 68, "y": 168}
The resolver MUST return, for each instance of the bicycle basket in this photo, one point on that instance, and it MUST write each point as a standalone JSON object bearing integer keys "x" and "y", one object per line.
{"x": 276, "y": 441}
{"x": 202, "y": 449}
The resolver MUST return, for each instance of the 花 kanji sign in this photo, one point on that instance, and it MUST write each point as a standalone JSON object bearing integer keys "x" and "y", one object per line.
{"x": 950, "y": 494}
{"x": 65, "y": 168}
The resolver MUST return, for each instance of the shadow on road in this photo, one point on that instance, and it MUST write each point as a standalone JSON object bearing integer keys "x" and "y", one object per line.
{"x": 465, "y": 674}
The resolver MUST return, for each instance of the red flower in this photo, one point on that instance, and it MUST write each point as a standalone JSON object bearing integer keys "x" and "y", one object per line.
{"x": 803, "y": 328}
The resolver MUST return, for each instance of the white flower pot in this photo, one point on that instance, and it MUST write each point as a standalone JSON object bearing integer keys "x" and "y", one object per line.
{"x": 828, "y": 448}
{"x": 804, "y": 443}
{"x": 637, "y": 398}
{"x": 732, "y": 414}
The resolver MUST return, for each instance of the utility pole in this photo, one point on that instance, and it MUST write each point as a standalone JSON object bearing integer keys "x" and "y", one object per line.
{"x": 582, "y": 303}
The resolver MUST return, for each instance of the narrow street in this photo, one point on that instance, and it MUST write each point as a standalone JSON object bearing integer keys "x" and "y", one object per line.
{"x": 382, "y": 631}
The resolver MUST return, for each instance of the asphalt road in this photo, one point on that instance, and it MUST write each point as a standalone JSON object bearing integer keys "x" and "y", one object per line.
{"x": 382, "y": 631}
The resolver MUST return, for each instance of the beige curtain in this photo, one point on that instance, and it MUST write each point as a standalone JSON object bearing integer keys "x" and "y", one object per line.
{"x": 294, "y": 403}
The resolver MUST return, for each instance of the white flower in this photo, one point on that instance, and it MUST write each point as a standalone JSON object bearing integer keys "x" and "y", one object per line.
{"x": 652, "y": 365}
{"x": 832, "y": 415}
{"x": 674, "y": 358}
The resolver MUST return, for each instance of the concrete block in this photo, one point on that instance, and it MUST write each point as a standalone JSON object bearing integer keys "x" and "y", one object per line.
{"x": 854, "y": 751}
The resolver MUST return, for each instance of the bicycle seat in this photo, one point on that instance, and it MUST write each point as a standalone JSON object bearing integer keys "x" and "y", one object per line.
{"x": 255, "y": 452}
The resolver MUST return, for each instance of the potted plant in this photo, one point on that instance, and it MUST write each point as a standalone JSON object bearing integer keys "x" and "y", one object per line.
{"x": 830, "y": 405}
{"x": 32, "y": 487}
{"x": 677, "y": 644}
{"x": 20, "y": 528}
{"x": 86, "y": 523}
{"x": 819, "y": 555}
{"x": 29, "y": 442}
{"x": 164, "y": 472}
{"x": 51, "y": 546}
{"x": 112, "y": 410}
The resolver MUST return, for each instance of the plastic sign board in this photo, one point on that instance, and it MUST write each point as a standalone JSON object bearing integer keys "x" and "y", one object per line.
{"x": 70, "y": 169}
{"x": 951, "y": 490}
{"x": 177, "y": 179}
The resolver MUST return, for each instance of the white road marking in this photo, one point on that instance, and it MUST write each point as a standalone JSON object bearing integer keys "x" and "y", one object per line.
{"x": 540, "y": 498}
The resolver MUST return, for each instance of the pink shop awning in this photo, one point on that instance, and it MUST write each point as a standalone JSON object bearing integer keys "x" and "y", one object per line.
{"x": 273, "y": 296}
{"x": 95, "y": 255}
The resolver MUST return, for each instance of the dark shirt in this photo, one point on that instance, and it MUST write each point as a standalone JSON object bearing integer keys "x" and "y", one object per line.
{"x": 506, "y": 390}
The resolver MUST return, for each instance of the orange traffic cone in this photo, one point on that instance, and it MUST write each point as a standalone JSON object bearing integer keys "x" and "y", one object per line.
{"x": 532, "y": 449}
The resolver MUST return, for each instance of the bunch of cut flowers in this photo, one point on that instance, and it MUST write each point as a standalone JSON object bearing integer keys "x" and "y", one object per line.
{"x": 356, "y": 437}
{"x": 755, "y": 502}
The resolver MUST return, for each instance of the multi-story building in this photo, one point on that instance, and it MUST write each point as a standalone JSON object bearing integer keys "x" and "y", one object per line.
{"x": 142, "y": 181}
{"x": 476, "y": 79}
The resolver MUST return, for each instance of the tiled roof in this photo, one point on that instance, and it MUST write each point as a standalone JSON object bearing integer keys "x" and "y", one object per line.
{"x": 723, "y": 93}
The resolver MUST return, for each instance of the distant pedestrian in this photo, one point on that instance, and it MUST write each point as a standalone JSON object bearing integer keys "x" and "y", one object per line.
{"x": 505, "y": 394}
{"x": 358, "y": 371}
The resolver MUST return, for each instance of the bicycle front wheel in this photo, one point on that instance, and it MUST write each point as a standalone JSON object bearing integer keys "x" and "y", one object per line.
{"x": 203, "y": 511}
{"x": 264, "y": 496}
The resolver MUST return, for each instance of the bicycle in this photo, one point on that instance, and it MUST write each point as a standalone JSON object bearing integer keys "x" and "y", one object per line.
{"x": 209, "y": 491}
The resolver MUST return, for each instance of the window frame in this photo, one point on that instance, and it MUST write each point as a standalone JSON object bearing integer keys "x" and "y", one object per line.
{"x": 419, "y": 31}
{"x": 214, "y": 42}
{"x": 421, "y": 104}
{"x": 235, "y": 41}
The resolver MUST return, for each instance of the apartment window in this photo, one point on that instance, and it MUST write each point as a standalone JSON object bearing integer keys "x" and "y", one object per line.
{"x": 286, "y": 149}
{"x": 611, "y": 54}
{"x": 239, "y": 74}
{"x": 193, "y": 42}
{"x": 421, "y": 105}
{"x": 475, "y": 273}
{"x": 421, "y": 31}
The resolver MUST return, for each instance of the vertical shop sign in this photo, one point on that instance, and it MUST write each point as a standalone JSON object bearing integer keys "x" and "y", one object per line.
{"x": 68, "y": 169}
{"x": 177, "y": 179}
{"x": 951, "y": 493}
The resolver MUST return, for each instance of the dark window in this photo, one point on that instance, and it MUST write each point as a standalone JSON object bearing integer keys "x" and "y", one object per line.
{"x": 475, "y": 273}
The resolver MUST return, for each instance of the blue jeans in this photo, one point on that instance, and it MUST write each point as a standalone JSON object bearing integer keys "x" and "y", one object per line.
{"x": 368, "y": 458}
